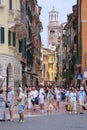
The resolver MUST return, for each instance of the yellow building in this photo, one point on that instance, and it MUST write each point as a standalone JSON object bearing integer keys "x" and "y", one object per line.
{"x": 49, "y": 66}
{"x": 12, "y": 31}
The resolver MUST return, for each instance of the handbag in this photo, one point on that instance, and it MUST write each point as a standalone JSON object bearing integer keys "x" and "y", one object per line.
{"x": 68, "y": 107}
{"x": 6, "y": 105}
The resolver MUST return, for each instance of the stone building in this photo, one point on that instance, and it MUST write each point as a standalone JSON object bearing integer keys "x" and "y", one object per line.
{"x": 20, "y": 41}
{"x": 11, "y": 31}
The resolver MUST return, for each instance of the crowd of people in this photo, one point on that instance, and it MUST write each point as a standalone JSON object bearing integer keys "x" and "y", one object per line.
{"x": 48, "y": 98}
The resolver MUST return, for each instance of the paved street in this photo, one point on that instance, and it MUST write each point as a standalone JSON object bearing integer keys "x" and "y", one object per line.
{"x": 59, "y": 121}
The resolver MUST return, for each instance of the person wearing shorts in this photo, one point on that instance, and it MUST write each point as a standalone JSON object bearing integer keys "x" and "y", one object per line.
{"x": 21, "y": 104}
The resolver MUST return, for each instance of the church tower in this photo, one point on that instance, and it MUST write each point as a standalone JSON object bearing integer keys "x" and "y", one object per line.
{"x": 53, "y": 30}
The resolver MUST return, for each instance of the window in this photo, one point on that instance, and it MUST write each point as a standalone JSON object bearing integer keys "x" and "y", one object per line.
{"x": 10, "y": 4}
{"x": 1, "y": 34}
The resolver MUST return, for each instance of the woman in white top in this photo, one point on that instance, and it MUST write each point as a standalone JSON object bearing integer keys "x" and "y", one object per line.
{"x": 29, "y": 98}
{"x": 73, "y": 100}
{"x": 41, "y": 98}
{"x": 58, "y": 98}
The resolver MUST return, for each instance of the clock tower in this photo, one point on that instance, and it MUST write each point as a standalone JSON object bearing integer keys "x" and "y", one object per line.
{"x": 53, "y": 30}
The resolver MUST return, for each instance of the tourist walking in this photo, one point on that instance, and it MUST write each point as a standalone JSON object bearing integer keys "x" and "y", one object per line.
{"x": 41, "y": 98}
{"x": 81, "y": 98}
{"x": 73, "y": 100}
{"x": 21, "y": 104}
{"x": 29, "y": 98}
{"x": 58, "y": 98}
{"x": 10, "y": 102}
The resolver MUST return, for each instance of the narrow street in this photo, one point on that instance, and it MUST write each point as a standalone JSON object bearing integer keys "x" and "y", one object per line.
{"x": 43, "y": 64}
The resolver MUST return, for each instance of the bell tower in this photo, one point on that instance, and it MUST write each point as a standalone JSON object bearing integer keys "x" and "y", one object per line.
{"x": 53, "y": 30}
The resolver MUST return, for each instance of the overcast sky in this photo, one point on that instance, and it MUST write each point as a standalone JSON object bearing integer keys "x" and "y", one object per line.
{"x": 64, "y": 7}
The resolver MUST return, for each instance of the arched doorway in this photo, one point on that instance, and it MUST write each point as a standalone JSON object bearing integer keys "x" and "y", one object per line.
{"x": 9, "y": 76}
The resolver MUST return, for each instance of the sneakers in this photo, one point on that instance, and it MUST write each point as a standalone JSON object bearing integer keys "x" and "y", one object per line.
{"x": 81, "y": 113}
{"x": 56, "y": 110}
{"x": 21, "y": 121}
{"x": 70, "y": 112}
{"x": 75, "y": 112}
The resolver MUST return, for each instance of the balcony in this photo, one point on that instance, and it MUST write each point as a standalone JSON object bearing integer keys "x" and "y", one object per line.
{"x": 14, "y": 15}
{"x": 18, "y": 27}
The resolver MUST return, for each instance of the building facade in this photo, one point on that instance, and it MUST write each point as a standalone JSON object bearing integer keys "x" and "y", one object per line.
{"x": 12, "y": 30}
{"x": 19, "y": 35}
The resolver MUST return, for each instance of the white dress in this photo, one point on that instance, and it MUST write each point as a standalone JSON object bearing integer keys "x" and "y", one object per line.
{"x": 29, "y": 100}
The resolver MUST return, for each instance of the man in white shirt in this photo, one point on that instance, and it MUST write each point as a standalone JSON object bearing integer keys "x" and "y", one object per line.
{"x": 34, "y": 98}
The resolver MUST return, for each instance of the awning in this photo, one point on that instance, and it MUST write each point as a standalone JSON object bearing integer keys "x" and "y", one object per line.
{"x": 19, "y": 28}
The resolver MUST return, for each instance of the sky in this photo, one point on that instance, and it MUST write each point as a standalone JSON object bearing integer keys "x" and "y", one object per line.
{"x": 64, "y": 7}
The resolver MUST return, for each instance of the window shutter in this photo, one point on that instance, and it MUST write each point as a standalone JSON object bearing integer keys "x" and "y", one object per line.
{"x": 14, "y": 39}
{"x": 24, "y": 48}
{"x": 9, "y": 38}
{"x": 20, "y": 46}
{"x": 10, "y": 4}
{"x": 2, "y": 35}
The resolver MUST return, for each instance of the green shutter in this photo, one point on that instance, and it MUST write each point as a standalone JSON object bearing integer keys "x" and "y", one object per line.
{"x": 9, "y": 38}
{"x": 2, "y": 35}
{"x": 24, "y": 48}
{"x": 10, "y": 4}
{"x": 14, "y": 39}
{"x": 20, "y": 45}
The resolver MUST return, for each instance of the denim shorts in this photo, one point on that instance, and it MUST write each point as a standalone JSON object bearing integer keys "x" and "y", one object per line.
{"x": 20, "y": 109}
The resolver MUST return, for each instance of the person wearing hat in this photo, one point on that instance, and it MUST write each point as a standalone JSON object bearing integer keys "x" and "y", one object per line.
{"x": 81, "y": 98}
